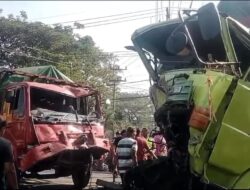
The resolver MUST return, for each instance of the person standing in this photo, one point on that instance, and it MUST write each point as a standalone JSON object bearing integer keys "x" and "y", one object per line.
{"x": 160, "y": 145}
{"x": 118, "y": 138}
{"x": 114, "y": 145}
{"x": 138, "y": 133}
{"x": 126, "y": 154}
{"x": 150, "y": 142}
{"x": 8, "y": 177}
{"x": 143, "y": 149}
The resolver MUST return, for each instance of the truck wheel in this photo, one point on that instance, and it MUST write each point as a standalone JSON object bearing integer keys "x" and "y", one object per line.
{"x": 81, "y": 178}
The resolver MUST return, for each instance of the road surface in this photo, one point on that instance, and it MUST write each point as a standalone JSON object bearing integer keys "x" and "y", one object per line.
{"x": 63, "y": 183}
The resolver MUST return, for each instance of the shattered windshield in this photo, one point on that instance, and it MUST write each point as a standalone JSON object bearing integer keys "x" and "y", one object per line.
{"x": 176, "y": 53}
{"x": 201, "y": 40}
{"x": 58, "y": 106}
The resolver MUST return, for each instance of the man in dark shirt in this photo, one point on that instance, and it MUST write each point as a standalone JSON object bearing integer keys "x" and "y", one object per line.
{"x": 8, "y": 176}
{"x": 118, "y": 138}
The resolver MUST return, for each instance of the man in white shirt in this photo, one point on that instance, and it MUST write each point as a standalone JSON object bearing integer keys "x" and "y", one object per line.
{"x": 126, "y": 156}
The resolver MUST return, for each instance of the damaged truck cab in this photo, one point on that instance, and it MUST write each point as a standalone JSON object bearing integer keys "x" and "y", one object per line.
{"x": 52, "y": 124}
{"x": 199, "y": 66}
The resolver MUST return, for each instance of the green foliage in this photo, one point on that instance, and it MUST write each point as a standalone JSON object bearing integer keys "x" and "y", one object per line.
{"x": 133, "y": 109}
{"x": 24, "y": 15}
{"x": 34, "y": 43}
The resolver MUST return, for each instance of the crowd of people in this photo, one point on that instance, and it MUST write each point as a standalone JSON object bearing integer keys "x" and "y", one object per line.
{"x": 131, "y": 148}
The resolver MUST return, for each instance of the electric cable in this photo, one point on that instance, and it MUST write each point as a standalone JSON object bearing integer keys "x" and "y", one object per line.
{"x": 108, "y": 16}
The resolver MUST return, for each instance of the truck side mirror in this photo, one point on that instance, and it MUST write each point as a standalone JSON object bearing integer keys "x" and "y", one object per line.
{"x": 209, "y": 21}
{"x": 9, "y": 96}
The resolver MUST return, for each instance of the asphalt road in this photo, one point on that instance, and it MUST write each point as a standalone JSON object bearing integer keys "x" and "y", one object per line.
{"x": 63, "y": 183}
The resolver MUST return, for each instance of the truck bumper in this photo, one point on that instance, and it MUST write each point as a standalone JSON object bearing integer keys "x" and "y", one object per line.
{"x": 57, "y": 155}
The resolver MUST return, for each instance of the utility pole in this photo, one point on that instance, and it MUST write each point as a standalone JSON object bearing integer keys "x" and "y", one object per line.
{"x": 113, "y": 83}
{"x": 156, "y": 11}
{"x": 167, "y": 13}
{"x": 169, "y": 10}
{"x": 114, "y": 96}
{"x": 71, "y": 66}
{"x": 191, "y": 3}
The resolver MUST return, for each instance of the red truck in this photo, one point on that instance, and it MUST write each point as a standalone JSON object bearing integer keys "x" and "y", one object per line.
{"x": 53, "y": 123}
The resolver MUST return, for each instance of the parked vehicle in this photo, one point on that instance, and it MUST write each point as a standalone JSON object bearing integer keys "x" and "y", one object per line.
{"x": 199, "y": 66}
{"x": 52, "y": 123}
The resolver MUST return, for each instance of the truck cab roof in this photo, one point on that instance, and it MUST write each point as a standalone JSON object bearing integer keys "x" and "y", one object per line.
{"x": 65, "y": 89}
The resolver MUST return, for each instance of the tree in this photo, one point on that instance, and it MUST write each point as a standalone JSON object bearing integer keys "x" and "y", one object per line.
{"x": 35, "y": 43}
{"x": 133, "y": 109}
{"x": 24, "y": 15}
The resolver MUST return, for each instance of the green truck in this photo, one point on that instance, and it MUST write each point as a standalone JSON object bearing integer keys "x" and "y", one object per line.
{"x": 200, "y": 70}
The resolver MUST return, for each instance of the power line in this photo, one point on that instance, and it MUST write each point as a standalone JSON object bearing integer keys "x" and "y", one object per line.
{"x": 144, "y": 106}
{"x": 61, "y": 15}
{"x": 39, "y": 58}
{"x": 44, "y": 51}
{"x": 107, "y": 20}
{"x": 125, "y": 60}
{"x": 55, "y": 16}
{"x": 108, "y": 23}
{"x": 127, "y": 55}
{"x": 26, "y": 55}
{"x": 131, "y": 98}
{"x": 96, "y": 25}
{"x": 133, "y": 87}
{"x": 131, "y": 62}
{"x": 122, "y": 51}
{"x": 136, "y": 75}
{"x": 95, "y": 18}
{"x": 117, "y": 53}
{"x": 134, "y": 81}
{"x": 84, "y": 55}
{"x": 117, "y": 22}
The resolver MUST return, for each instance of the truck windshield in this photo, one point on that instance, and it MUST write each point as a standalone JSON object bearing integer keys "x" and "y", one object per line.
{"x": 59, "y": 102}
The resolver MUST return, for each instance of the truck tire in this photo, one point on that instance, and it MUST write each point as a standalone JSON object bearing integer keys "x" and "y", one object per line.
{"x": 81, "y": 178}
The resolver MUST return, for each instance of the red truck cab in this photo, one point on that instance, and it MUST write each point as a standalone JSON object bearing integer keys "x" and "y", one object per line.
{"x": 55, "y": 126}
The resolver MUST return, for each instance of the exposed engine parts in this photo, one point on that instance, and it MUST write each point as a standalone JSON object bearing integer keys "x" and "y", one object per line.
{"x": 172, "y": 118}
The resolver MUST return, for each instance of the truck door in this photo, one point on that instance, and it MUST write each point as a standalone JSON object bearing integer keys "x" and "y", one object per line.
{"x": 231, "y": 153}
{"x": 14, "y": 112}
